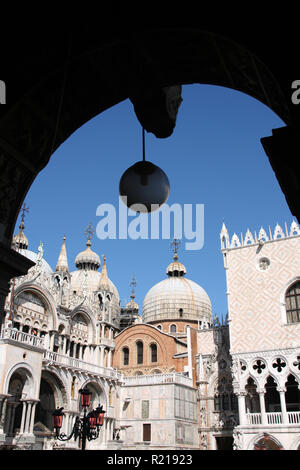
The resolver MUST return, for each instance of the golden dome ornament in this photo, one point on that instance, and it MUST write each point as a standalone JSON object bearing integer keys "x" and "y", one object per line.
{"x": 144, "y": 185}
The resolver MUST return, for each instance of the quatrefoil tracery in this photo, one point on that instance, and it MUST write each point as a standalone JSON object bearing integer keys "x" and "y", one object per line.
{"x": 279, "y": 364}
{"x": 259, "y": 366}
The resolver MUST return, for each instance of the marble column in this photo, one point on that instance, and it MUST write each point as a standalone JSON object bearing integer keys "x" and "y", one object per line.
{"x": 51, "y": 342}
{"x": 264, "y": 419}
{"x": 242, "y": 407}
{"x": 109, "y": 358}
{"x": 28, "y": 418}
{"x": 64, "y": 348}
{"x": 24, "y": 410}
{"x": 3, "y": 397}
{"x": 34, "y": 403}
{"x": 108, "y": 437}
{"x": 285, "y": 418}
{"x": 102, "y": 356}
{"x": 8, "y": 413}
{"x": 105, "y": 430}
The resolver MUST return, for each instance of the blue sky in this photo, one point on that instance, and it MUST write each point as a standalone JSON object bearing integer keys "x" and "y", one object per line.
{"x": 214, "y": 157}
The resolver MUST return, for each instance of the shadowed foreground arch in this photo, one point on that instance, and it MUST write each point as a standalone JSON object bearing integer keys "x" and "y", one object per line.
{"x": 70, "y": 78}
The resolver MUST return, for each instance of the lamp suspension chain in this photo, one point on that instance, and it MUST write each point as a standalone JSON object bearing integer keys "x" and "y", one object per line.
{"x": 144, "y": 145}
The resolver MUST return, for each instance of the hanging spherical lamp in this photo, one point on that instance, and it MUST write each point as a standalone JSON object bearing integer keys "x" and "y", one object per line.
{"x": 144, "y": 186}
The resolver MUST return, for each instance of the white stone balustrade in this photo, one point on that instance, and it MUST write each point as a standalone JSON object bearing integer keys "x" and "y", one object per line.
{"x": 20, "y": 336}
{"x": 158, "y": 379}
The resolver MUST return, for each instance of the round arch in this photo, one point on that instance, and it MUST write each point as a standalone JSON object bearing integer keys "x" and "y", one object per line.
{"x": 52, "y": 394}
{"x": 193, "y": 55}
{"x": 156, "y": 371}
{"x": 57, "y": 96}
{"x": 44, "y": 295}
{"x": 99, "y": 394}
{"x": 258, "y": 439}
{"x": 59, "y": 387}
{"x": 26, "y": 372}
{"x": 282, "y": 298}
{"x": 88, "y": 316}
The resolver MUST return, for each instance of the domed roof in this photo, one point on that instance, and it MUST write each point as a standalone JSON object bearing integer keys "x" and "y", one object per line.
{"x": 91, "y": 280}
{"x": 85, "y": 280}
{"x": 176, "y": 298}
{"x": 132, "y": 305}
{"x": 176, "y": 267}
{"x": 87, "y": 258}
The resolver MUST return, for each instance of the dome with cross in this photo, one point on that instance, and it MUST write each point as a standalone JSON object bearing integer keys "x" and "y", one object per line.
{"x": 176, "y": 298}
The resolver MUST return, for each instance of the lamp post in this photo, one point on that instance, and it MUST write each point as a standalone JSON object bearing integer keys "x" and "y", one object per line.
{"x": 87, "y": 427}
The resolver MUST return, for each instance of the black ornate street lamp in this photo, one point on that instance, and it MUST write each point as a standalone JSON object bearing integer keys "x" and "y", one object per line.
{"x": 87, "y": 427}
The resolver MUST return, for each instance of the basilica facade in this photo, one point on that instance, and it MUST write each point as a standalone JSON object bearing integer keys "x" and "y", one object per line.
{"x": 170, "y": 375}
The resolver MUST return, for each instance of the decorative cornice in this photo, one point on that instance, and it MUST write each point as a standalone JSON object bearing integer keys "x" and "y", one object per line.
{"x": 254, "y": 239}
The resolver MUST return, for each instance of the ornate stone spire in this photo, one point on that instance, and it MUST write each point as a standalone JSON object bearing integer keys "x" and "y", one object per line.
{"x": 132, "y": 304}
{"x": 224, "y": 236}
{"x": 20, "y": 241}
{"x": 62, "y": 262}
{"x": 104, "y": 281}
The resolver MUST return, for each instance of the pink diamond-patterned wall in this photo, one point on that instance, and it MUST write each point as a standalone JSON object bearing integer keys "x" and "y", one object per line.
{"x": 258, "y": 276}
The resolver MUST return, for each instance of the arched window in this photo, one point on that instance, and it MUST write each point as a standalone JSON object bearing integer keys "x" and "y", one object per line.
{"x": 158, "y": 327}
{"x": 173, "y": 329}
{"x": 140, "y": 352}
{"x": 125, "y": 356}
{"x": 292, "y": 302}
{"x": 223, "y": 395}
{"x": 153, "y": 349}
{"x": 252, "y": 397}
{"x": 292, "y": 394}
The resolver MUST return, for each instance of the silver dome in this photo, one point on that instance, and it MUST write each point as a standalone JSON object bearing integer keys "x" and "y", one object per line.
{"x": 176, "y": 298}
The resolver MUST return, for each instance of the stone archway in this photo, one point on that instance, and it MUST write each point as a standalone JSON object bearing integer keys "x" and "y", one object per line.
{"x": 99, "y": 396}
{"x": 88, "y": 73}
{"x": 19, "y": 408}
{"x": 52, "y": 394}
{"x": 267, "y": 442}
{"x": 46, "y": 405}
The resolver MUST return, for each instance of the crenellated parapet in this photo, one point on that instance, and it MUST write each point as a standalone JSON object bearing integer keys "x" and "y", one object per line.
{"x": 257, "y": 238}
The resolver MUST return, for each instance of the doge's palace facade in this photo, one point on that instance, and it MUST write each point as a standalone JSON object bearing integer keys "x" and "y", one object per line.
{"x": 263, "y": 289}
